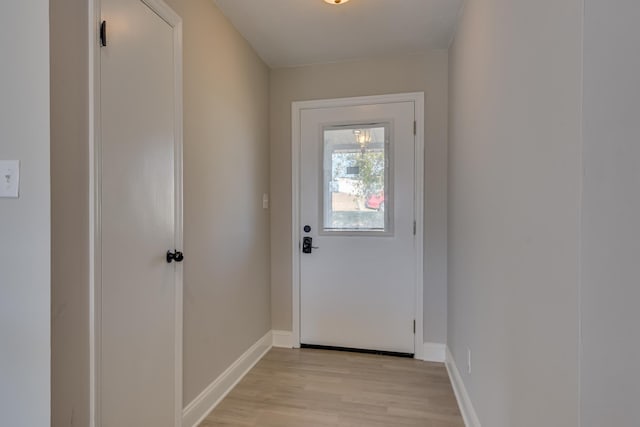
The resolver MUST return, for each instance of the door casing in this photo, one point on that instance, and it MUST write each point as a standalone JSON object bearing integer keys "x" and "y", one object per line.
{"x": 296, "y": 108}
{"x": 95, "y": 201}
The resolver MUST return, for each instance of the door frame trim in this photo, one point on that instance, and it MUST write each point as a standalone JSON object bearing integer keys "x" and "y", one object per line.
{"x": 163, "y": 10}
{"x": 296, "y": 109}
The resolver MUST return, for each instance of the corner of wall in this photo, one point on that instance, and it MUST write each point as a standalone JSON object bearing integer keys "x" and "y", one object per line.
{"x": 462, "y": 396}
{"x": 196, "y": 411}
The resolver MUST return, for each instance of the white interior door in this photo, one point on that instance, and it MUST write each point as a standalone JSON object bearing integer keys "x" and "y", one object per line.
{"x": 140, "y": 219}
{"x": 358, "y": 280}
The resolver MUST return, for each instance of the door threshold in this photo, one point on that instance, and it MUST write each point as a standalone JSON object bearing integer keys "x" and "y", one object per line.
{"x": 359, "y": 350}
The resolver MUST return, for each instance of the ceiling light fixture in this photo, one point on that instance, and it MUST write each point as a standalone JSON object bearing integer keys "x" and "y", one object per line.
{"x": 363, "y": 138}
{"x": 336, "y": 1}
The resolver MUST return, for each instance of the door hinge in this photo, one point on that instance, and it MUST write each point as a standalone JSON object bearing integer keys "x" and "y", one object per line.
{"x": 414, "y": 326}
{"x": 415, "y": 127}
{"x": 415, "y": 226}
{"x": 103, "y": 33}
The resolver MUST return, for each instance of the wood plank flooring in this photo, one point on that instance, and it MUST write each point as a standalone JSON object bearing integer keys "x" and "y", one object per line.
{"x": 316, "y": 388}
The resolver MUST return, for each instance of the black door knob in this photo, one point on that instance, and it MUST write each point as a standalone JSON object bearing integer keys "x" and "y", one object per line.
{"x": 176, "y": 256}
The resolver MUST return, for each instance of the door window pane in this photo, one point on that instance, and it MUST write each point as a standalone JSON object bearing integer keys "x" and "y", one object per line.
{"x": 356, "y": 194}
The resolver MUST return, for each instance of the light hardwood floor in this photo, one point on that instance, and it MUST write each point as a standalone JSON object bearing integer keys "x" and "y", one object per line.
{"x": 309, "y": 388}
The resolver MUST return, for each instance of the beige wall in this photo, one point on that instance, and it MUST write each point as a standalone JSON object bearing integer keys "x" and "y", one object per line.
{"x": 515, "y": 168}
{"x": 423, "y": 72}
{"x": 25, "y": 226}
{"x": 226, "y": 171}
{"x": 610, "y": 378}
{"x": 69, "y": 213}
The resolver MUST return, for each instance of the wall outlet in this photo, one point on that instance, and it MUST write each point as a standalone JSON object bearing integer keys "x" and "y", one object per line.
{"x": 9, "y": 178}
{"x": 265, "y": 201}
{"x": 468, "y": 361}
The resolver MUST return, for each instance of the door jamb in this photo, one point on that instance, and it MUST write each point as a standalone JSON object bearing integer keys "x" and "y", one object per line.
{"x": 95, "y": 202}
{"x": 296, "y": 109}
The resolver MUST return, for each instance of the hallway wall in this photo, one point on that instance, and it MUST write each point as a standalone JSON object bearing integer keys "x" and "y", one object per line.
{"x": 610, "y": 376}
{"x": 25, "y": 255}
{"x": 70, "y": 352}
{"x": 426, "y": 73}
{"x": 514, "y": 204}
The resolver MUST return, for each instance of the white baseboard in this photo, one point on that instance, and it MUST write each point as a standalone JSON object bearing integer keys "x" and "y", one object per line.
{"x": 282, "y": 339}
{"x": 434, "y": 352}
{"x": 197, "y": 410}
{"x": 464, "y": 401}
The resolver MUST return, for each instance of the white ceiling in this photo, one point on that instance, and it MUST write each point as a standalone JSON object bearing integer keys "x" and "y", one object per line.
{"x": 297, "y": 32}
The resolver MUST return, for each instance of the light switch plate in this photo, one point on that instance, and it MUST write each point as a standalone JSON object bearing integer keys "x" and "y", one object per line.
{"x": 9, "y": 178}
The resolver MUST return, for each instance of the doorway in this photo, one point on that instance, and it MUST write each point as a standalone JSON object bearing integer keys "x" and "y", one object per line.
{"x": 357, "y": 239}
{"x": 137, "y": 344}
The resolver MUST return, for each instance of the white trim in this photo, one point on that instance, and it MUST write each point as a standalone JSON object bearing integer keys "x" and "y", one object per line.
{"x": 295, "y": 223}
{"x": 170, "y": 17}
{"x": 94, "y": 212}
{"x": 176, "y": 22}
{"x": 282, "y": 339}
{"x": 462, "y": 396}
{"x": 296, "y": 108}
{"x": 434, "y": 352}
{"x": 201, "y": 406}
{"x": 95, "y": 198}
{"x": 418, "y": 99}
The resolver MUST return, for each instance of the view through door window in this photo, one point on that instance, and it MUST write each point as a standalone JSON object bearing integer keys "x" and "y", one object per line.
{"x": 356, "y": 192}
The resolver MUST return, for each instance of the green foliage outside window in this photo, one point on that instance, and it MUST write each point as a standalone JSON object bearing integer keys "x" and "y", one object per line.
{"x": 370, "y": 179}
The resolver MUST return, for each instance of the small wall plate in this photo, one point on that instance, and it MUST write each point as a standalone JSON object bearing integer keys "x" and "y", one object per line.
{"x": 9, "y": 178}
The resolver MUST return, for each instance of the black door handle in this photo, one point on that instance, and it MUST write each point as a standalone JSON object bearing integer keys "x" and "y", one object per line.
{"x": 176, "y": 256}
{"x": 307, "y": 245}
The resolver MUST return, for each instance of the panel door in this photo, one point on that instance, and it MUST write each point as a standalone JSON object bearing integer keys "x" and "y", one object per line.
{"x": 139, "y": 201}
{"x": 357, "y": 273}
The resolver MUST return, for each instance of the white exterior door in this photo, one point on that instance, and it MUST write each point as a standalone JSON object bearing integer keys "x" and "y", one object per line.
{"x": 140, "y": 220}
{"x": 358, "y": 272}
